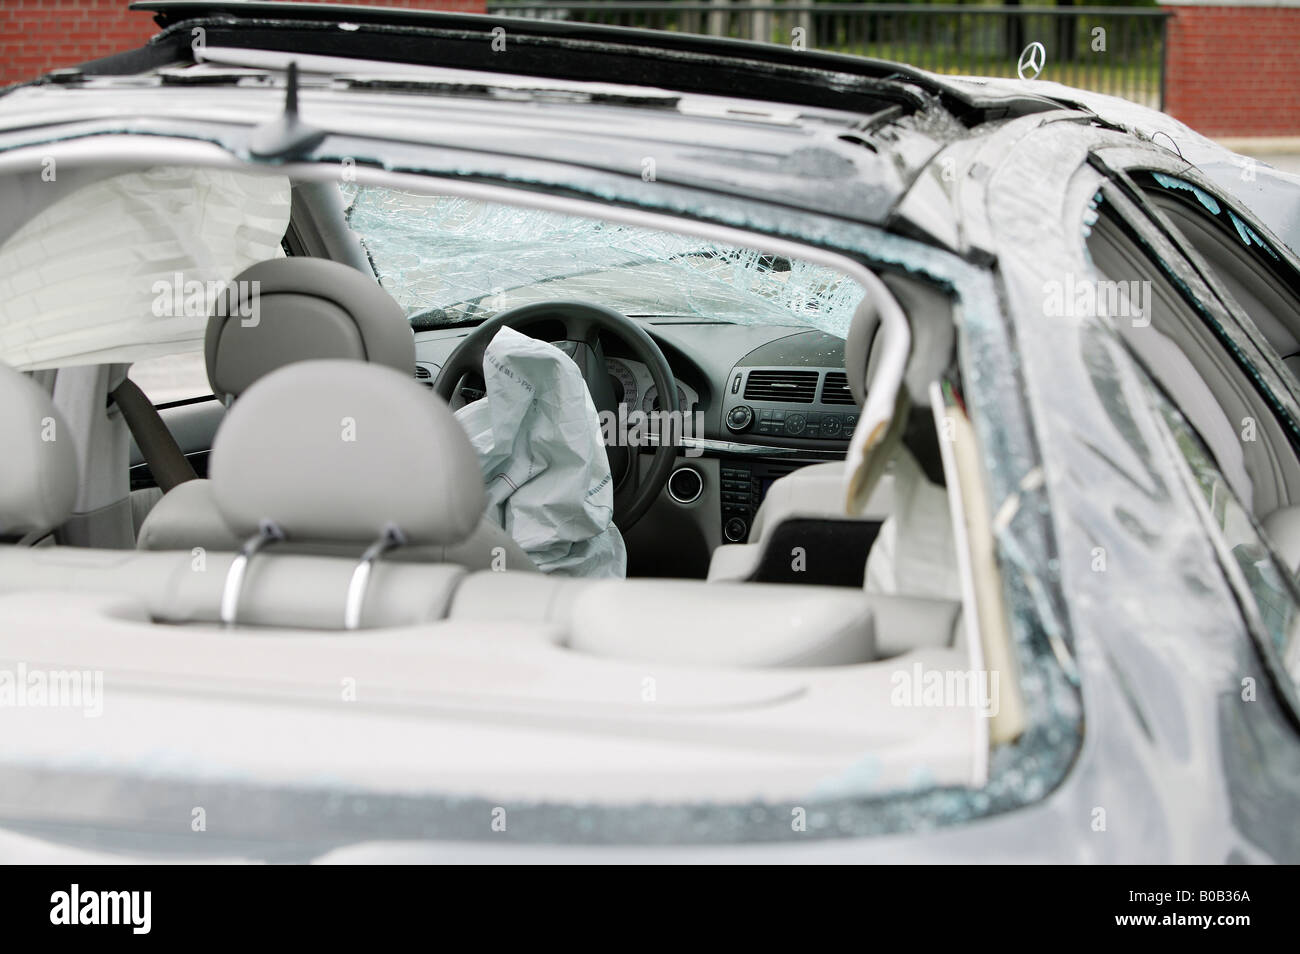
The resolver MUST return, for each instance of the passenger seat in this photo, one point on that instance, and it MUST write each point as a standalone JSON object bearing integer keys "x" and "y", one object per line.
{"x": 308, "y": 309}
{"x": 342, "y": 458}
{"x": 38, "y": 483}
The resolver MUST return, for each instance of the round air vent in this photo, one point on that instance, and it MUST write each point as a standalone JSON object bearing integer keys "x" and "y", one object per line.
{"x": 685, "y": 485}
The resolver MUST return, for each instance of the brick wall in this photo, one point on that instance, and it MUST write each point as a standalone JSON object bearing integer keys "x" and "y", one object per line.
{"x": 37, "y": 36}
{"x": 1235, "y": 70}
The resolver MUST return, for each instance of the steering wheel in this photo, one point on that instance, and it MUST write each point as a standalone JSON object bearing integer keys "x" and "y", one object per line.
{"x": 583, "y": 322}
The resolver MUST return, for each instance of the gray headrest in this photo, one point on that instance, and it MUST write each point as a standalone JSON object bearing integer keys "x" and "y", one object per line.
{"x": 929, "y": 315}
{"x": 38, "y": 481}
{"x": 337, "y": 451}
{"x": 858, "y": 350}
{"x": 302, "y": 309}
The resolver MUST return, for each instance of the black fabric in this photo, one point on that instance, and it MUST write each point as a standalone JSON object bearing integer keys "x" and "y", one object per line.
{"x": 159, "y": 449}
{"x": 821, "y": 552}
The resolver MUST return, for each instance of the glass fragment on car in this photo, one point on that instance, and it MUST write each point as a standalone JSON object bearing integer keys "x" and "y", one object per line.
{"x": 450, "y": 260}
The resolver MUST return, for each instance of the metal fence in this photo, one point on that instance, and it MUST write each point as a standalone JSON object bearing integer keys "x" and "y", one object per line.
{"x": 1116, "y": 50}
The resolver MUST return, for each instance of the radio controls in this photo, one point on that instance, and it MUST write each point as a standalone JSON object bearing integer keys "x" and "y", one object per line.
{"x": 735, "y": 529}
{"x": 740, "y": 417}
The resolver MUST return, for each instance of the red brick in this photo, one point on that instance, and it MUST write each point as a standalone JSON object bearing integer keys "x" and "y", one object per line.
{"x": 37, "y": 36}
{"x": 1231, "y": 71}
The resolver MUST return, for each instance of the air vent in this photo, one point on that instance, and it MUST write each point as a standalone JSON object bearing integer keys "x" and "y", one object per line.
{"x": 835, "y": 390}
{"x": 790, "y": 387}
{"x": 424, "y": 375}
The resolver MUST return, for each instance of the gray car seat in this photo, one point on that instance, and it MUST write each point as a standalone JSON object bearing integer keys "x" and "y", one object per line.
{"x": 347, "y": 458}
{"x": 307, "y": 309}
{"x": 38, "y": 482}
{"x": 275, "y": 312}
{"x": 303, "y": 308}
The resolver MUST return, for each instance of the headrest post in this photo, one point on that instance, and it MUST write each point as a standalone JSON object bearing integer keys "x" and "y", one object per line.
{"x": 267, "y": 532}
{"x": 391, "y": 539}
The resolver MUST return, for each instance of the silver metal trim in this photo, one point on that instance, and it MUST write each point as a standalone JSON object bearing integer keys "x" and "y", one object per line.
{"x": 726, "y": 418}
{"x": 736, "y": 448}
{"x": 267, "y": 532}
{"x": 391, "y": 539}
{"x": 728, "y": 536}
{"x": 698, "y": 476}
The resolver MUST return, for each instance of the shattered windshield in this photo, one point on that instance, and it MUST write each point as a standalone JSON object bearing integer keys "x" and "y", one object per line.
{"x": 455, "y": 261}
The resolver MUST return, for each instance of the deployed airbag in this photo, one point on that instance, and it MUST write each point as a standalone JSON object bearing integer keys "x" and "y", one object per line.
{"x": 127, "y": 268}
{"x": 539, "y": 443}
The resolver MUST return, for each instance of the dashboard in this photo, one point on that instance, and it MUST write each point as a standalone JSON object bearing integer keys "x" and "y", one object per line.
{"x": 635, "y": 387}
{"x": 771, "y": 399}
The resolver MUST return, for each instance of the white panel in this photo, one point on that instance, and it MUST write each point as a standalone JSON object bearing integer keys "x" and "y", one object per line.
{"x": 89, "y": 279}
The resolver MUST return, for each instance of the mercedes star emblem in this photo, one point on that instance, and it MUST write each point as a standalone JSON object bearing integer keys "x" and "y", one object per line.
{"x": 1032, "y": 61}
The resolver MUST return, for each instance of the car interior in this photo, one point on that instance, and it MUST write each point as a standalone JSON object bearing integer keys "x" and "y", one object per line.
{"x": 380, "y": 314}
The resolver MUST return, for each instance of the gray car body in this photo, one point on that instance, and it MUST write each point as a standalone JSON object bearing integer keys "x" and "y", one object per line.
{"x": 1174, "y": 763}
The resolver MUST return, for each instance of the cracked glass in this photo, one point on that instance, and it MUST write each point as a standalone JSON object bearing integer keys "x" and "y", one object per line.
{"x": 451, "y": 261}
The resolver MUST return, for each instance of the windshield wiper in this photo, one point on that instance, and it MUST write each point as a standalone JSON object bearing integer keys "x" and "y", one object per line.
{"x": 431, "y": 318}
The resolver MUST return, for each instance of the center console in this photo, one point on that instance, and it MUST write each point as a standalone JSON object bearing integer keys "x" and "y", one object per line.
{"x": 744, "y": 485}
{"x": 790, "y": 395}
{"x": 788, "y": 410}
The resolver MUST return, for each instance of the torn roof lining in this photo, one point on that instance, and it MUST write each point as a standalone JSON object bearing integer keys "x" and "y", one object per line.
{"x": 449, "y": 260}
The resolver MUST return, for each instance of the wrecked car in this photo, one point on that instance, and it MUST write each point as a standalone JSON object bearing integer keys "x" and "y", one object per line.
{"x": 916, "y": 458}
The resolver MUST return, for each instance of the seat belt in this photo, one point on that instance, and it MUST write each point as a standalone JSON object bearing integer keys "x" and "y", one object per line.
{"x": 160, "y": 451}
